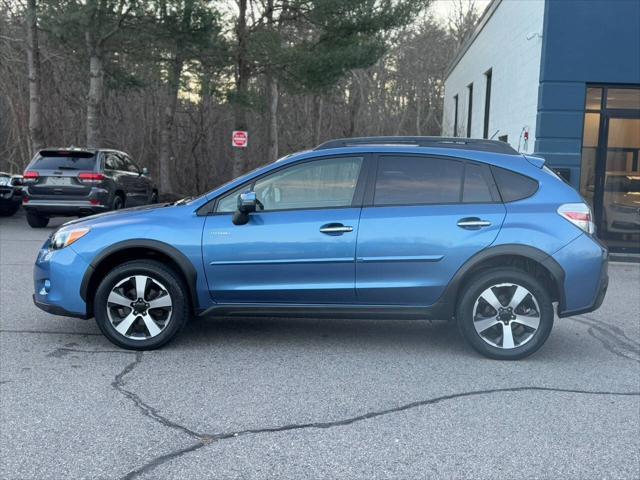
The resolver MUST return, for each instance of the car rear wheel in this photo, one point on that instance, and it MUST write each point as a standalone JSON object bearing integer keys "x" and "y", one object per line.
{"x": 117, "y": 203}
{"x": 505, "y": 314}
{"x": 37, "y": 221}
{"x": 141, "y": 305}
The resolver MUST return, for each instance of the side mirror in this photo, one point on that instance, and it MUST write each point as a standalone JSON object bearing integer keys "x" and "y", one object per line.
{"x": 247, "y": 203}
{"x": 145, "y": 171}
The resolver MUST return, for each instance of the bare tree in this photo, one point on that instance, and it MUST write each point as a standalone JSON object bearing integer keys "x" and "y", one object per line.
{"x": 35, "y": 77}
{"x": 462, "y": 19}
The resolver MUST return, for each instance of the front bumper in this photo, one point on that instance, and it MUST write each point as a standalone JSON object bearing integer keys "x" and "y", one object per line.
{"x": 57, "y": 276}
{"x": 10, "y": 195}
{"x": 57, "y": 310}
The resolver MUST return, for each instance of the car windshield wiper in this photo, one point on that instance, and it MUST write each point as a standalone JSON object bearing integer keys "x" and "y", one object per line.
{"x": 65, "y": 167}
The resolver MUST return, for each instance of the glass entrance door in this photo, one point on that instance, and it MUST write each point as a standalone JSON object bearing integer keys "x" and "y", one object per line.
{"x": 610, "y": 176}
{"x": 619, "y": 217}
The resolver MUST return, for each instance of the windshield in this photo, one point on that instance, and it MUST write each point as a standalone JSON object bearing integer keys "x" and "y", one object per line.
{"x": 65, "y": 162}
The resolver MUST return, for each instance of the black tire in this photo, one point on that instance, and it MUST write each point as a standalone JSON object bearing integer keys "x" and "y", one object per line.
{"x": 37, "y": 221}
{"x": 158, "y": 272}
{"x": 532, "y": 339}
{"x": 117, "y": 203}
{"x": 9, "y": 211}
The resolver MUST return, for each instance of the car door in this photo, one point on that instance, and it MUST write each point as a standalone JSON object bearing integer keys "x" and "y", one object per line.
{"x": 423, "y": 218}
{"x": 300, "y": 248}
{"x": 136, "y": 189}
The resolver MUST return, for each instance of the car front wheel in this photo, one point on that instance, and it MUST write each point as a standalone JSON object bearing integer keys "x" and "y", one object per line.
{"x": 141, "y": 305}
{"x": 505, "y": 314}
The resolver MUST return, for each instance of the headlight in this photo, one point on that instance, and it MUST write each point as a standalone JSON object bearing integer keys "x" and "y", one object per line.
{"x": 4, "y": 180}
{"x": 64, "y": 238}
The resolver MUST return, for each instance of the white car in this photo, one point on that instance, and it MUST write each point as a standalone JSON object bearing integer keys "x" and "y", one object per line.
{"x": 622, "y": 202}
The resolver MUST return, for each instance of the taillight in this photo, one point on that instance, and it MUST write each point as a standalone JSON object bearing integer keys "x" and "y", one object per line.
{"x": 90, "y": 178}
{"x": 579, "y": 214}
{"x": 30, "y": 177}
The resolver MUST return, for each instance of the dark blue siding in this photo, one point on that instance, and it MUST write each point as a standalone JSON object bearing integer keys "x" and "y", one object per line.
{"x": 584, "y": 41}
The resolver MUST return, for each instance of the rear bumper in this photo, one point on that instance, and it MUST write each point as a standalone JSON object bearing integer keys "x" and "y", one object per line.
{"x": 586, "y": 279}
{"x": 63, "y": 207}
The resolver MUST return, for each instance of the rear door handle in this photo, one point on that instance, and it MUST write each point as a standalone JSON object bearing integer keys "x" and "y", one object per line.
{"x": 473, "y": 223}
{"x": 335, "y": 229}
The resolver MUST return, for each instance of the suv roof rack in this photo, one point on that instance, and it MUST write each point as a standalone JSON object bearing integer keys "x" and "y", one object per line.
{"x": 461, "y": 143}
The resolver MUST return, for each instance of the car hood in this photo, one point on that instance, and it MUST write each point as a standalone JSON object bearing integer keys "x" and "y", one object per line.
{"x": 117, "y": 216}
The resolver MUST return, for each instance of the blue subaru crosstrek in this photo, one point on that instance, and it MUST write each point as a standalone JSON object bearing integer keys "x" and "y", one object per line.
{"x": 392, "y": 227}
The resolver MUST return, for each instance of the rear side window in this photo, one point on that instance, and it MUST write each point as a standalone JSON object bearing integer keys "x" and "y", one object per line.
{"x": 477, "y": 184}
{"x": 513, "y": 186}
{"x": 113, "y": 162}
{"x": 407, "y": 180}
{"x": 66, "y": 161}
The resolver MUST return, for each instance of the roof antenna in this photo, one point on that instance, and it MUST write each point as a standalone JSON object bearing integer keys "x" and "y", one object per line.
{"x": 493, "y": 136}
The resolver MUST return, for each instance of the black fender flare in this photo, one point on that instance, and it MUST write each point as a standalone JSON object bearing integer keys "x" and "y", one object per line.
{"x": 448, "y": 298}
{"x": 186, "y": 266}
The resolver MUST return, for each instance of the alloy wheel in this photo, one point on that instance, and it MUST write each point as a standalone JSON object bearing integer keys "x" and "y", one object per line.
{"x": 139, "y": 307}
{"x": 506, "y": 315}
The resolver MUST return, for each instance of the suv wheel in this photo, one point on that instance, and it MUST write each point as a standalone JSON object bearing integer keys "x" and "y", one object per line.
{"x": 117, "y": 203}
{"x": 37, "y": 221}
{"x": 141, "y": 305}
{"x": 505, "y": 314}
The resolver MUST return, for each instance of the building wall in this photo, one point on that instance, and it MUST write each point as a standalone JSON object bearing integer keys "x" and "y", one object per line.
{"x": 509, "y": 43}
{"x": 585, "y": 41}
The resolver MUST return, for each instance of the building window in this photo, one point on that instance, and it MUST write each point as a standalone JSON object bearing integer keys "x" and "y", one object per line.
{"x": 487, "y": 104}
{"x": 470, "y": 110}
{"x": 455, "y": 116}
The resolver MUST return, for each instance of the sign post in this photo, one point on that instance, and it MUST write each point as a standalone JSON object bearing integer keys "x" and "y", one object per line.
{"x": 239, "y": 139}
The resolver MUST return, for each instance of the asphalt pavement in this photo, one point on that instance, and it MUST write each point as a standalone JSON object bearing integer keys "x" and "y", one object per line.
{"x": 310, "y": 399}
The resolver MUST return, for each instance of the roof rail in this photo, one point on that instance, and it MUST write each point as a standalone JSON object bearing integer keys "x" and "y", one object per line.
{"x": 461, "y": 143}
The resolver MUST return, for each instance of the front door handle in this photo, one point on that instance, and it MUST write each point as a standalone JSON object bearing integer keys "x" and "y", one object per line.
{"x": 473, "y": 223}
{"x": 335, "y": 229}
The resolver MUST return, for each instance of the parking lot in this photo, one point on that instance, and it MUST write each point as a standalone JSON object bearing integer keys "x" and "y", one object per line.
{"x": 307, "y": 399}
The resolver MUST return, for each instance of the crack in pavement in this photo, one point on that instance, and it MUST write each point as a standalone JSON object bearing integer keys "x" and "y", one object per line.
{"x": 207, "y": 439}
{"x": 612, "y": 338}
{"x": 64, "y": 351}
{"x": 146, "y": 409}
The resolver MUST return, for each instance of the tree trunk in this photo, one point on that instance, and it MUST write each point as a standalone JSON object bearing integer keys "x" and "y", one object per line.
{"x": 33, "y": 59}
{"x": 272, "y": 138}
{"x": 173, "y": 87}
{"x": 354, "y": 108}
{"x": 242, "y": 84}
{"x": 316, "y": 124}
{"x": 272, "y": 98}
{"x": 96, "y": 91}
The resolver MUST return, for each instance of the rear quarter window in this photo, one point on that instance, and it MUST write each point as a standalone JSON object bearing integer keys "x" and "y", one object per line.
{"x": 65, "y": 162}
{"x": 513, "y": 186}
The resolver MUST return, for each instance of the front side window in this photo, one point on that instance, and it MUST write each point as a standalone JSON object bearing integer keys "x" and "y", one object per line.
{"x": 129, "y": 165}
{"x": 329, "y": 183}
{"x": 407, "y": 180}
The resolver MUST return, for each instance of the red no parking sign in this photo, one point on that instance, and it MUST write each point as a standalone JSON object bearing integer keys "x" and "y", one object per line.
{"x": 239, "y": 139}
